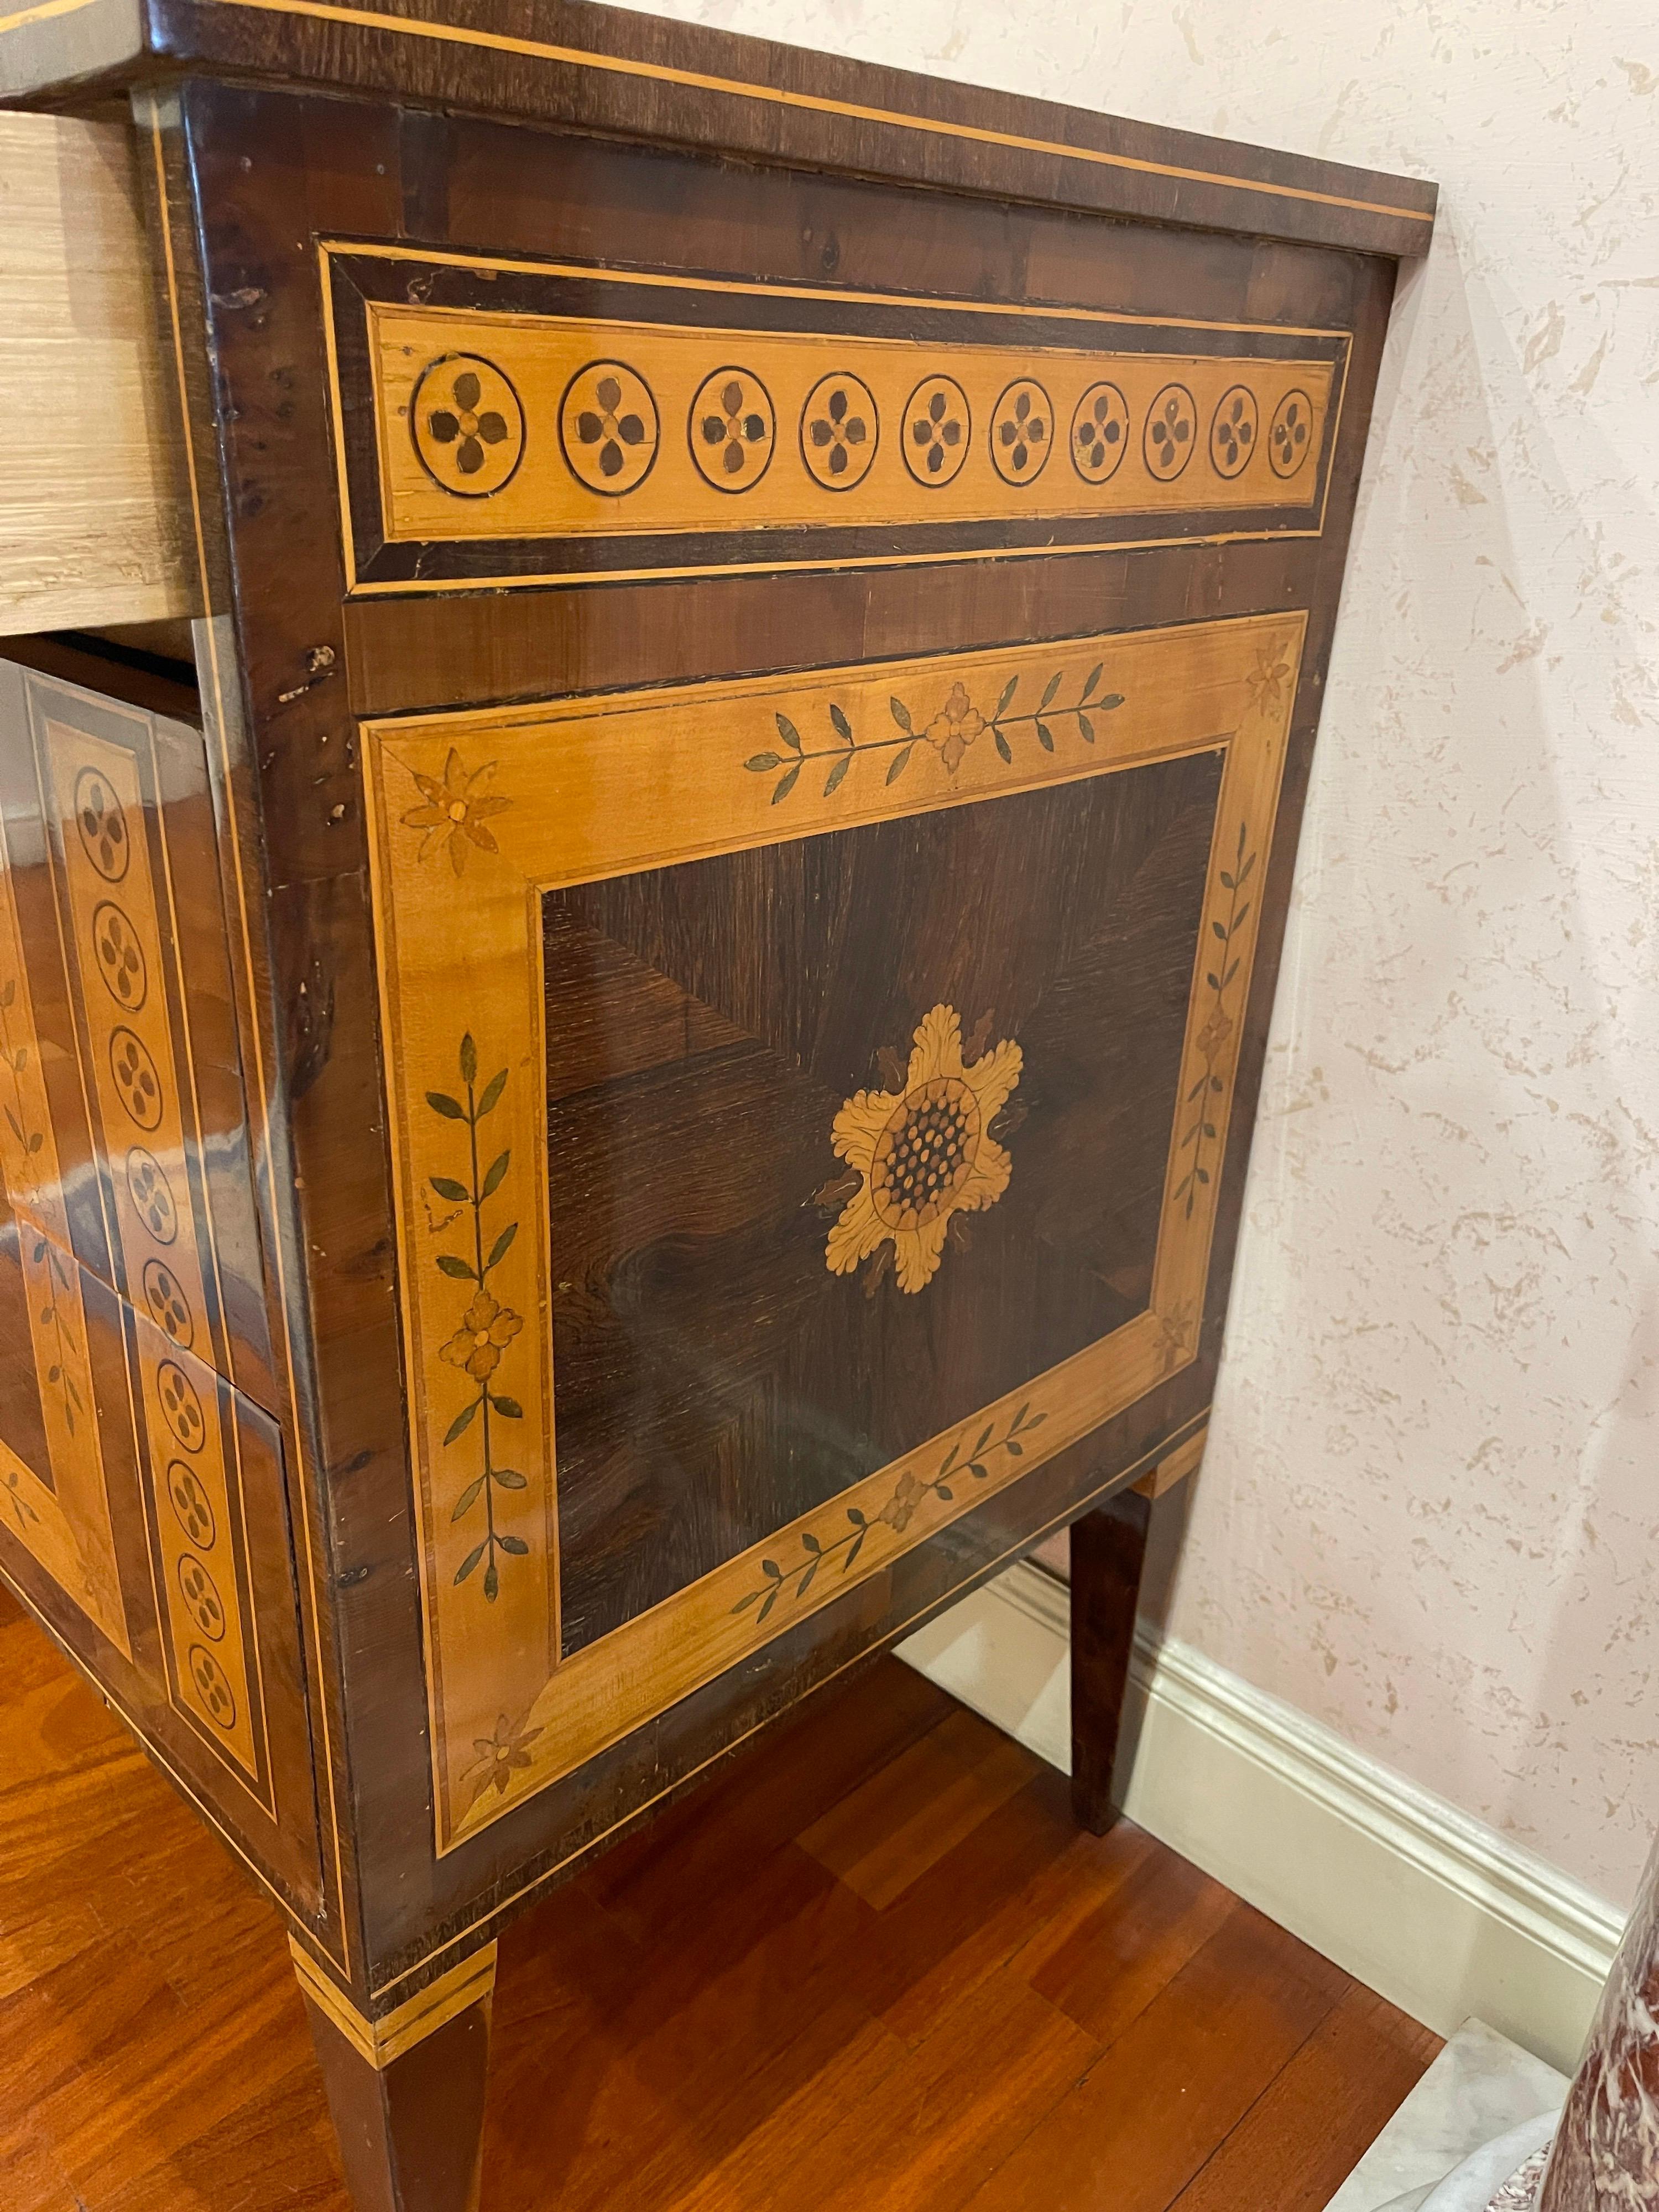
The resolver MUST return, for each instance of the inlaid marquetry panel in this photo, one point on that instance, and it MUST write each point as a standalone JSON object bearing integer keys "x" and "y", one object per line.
{"x": 547, "y": 423}
{"x": 487, "y": 823}
{"x": 53, "y": 1498}
{"x": 120, "y": 945}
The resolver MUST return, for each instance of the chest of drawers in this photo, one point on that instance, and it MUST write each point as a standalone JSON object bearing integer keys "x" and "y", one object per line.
{"x": 642, "y": 1071}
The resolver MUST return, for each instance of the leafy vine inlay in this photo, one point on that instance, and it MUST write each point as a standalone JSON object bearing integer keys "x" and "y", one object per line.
{"x": 20, "y": 1504}
{"x": 1211, "y": 1039}
{"x": 486, "y": 1328}
{"x": 899, "y": 1511}
{"x": 956, "y": 725}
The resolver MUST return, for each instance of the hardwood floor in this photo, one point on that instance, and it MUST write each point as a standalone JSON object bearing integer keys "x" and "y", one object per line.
{"x": 875, "y": 1966}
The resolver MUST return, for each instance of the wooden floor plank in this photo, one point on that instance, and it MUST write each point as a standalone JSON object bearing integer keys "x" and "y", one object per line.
{"x": 1119, "y": 1959}
{"x": 816, "y": 1756}
{"x": 660, "y": 2074}
{"x": 1026, "y": 1866}
{"x": 948, "y": 2113}
{"x": 874, "y": 1966}
{"x": 1294, "y": 2148}
{"x": 31, "y": 2181}
{"x": 884, "y": 1835}
{"x": 1132, "y": 2135}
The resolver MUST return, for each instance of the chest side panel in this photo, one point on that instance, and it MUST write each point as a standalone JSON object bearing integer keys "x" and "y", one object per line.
{"x": 146, "y": 1497}
{"x": 788, "y": 805}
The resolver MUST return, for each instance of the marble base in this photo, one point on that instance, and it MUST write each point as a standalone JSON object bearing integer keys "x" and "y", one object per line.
{"x": 1500, "y": 2176}
{"x": 1481, "y": 2087}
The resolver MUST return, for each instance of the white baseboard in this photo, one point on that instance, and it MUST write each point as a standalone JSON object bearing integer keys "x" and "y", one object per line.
{"x": 1436, "y": 1912}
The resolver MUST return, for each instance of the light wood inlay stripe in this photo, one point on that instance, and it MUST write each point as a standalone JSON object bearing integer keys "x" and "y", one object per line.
{"x": 810, "y": 103}
{"x": 1181, "y": 1463}
{"x": 774, "y": 95}
{"x": 379, "y": 2042}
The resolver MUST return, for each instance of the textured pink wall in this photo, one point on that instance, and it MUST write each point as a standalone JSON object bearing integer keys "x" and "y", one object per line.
{"x": 1428, "y": 1516}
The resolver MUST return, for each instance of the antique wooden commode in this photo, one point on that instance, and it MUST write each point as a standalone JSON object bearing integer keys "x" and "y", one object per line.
{"x": 644, "y": 1071}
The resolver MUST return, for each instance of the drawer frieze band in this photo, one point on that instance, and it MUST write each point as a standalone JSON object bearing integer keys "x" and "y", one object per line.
{"x": 506, "y": 422}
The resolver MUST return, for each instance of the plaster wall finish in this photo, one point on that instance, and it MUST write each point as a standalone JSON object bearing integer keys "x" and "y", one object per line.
{"x": 1429, "y": 1515}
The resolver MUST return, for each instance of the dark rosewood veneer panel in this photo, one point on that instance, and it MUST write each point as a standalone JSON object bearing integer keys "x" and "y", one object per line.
{"x": 708, "y": 1023}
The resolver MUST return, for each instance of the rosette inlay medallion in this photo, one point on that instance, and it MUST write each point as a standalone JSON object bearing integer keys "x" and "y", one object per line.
{"x": 924, "y": 1152}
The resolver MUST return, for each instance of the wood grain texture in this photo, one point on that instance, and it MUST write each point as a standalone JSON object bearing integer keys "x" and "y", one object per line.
{"x": 248, "y": 178}
{"x": 91, "y": 525}
{"x": 1109, "y": 1550}
{"x": 780, "y": 1020}
{"x": 411, "y": 2132}
{"x": 694, "y": 1183}
{"x": 772, "y": 2038}
{"x": 575, "y": 64}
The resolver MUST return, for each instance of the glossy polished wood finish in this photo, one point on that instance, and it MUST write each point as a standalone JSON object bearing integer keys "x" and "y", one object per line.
{"x": 411, "y": 2132}
{"x": 1108, "y": 1551}
{"x": 587, "y": 67}
{"x": 865, "y": 1969}
{"x": 707, "y": 940}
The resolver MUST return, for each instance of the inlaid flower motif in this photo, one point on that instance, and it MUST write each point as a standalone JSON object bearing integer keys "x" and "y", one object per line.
{"x": 486, "y": 1328}
{"x": 1168, "y": 439}
{"x": 608, "y": 427}
{"x": 1214, "y": 1033}
{"x": 1021, "y": 433}
{"x": 1232, "y": 431}
{"x": 901, "y": 1505}
{"x": 924, "y": 1153}
{"x": 457, "y": 807}
{"x": 838, "y": 431}
{"x": 1100, "y": 433}
{"x": 954, "y": 728}
{"x": 937, "y": 422}
{"x": 1177, "y": 1333}
{"x": 500, "y": 1756}
{"x": 732, "y": 427}
{"x": 467, "y": 425}
{"x": 1267, "y": 682}
{"x": 1288, "y": 438}
{"x": 611, "y": 426}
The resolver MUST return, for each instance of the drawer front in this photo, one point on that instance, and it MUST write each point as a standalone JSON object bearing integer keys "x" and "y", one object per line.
{"x": 145, "y": 1495}
{"x": 781, "y": 706}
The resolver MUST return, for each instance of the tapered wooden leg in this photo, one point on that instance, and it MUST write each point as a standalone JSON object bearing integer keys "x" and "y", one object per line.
{"x": 406, "y": 2092}
{"x": 1108, "y": 1548}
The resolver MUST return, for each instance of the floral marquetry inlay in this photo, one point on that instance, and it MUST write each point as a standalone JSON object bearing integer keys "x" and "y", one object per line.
{"x": 953, "y": 726}
{"x": 128, "y": 988}
{"x": 468, "y": 425}
{"x": 923, "y": 1152}
{"x": 627, "y": 785}
{"x": 485, "y": 1328}
{"x": 456, "y": 806}
{"x": 733, "y": 430}
{"x": 608, "y": 428}
{"x": 770, "y": 409}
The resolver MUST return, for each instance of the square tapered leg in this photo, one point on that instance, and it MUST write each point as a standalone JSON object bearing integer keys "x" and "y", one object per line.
{"x": 1109, "y": 1549}
{"x": 406, "y": 2093}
